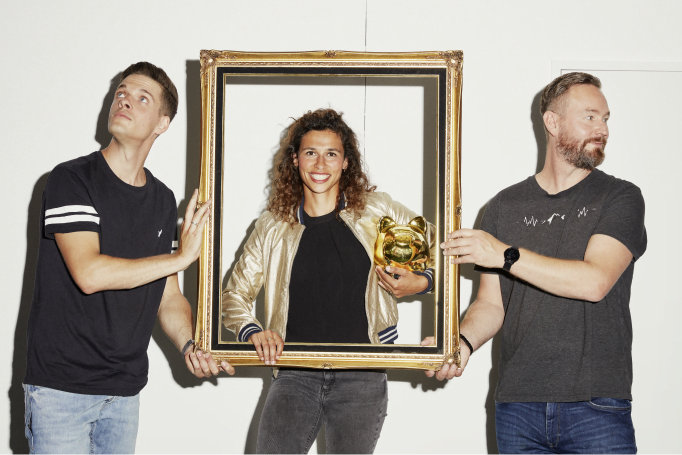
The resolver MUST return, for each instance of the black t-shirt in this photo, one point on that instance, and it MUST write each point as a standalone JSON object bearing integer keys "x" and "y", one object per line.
{"x": 96, "y": 344}
{"x": 328, "y": 284}
{"x": 557, "y": 349}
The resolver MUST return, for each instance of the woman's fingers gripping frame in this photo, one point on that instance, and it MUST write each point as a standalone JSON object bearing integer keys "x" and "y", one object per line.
{"x": 269, "y": 346}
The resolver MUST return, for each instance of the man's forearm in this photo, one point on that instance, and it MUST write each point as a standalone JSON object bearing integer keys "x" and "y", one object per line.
{"x": 175, "y": 314}
{"x": 589, "y": 279}
{"x": 485, "y": 316}
{"x": 104, "y": 272}
{"x": 94, "y": 272}
{"x": 562, "y": 277}
{"x": 482, "y": 321}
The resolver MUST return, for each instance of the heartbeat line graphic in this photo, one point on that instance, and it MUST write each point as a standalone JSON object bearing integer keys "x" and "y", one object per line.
{"x": 534, "y": 221}
{"x": 528, "y": 222}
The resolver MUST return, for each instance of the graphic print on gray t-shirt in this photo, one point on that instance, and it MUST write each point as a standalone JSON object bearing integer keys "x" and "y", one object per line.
{"x": 557, "y": 349}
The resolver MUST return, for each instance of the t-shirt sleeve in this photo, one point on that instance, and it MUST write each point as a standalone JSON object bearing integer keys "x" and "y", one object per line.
{"x": 174, "y": 243}
{"x": 489, "y": 225}
{"x": 176, "y": 225}
{"x": 68, "y": 205}
{"x": 623, "y": 219}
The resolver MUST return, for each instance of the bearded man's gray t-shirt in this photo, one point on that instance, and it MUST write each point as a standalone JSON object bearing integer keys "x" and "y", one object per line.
{"x": 556, "y": 349}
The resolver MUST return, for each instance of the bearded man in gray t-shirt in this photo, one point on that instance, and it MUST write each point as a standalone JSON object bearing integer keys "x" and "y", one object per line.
{"x": 557, "y": 254}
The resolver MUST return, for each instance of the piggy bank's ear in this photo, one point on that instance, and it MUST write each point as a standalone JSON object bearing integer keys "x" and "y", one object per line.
{"x": 419, "y": 222}
{"x": 385, "y": 222}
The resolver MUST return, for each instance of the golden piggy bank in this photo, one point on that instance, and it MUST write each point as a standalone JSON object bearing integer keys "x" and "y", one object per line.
{"x": 402, "y": 245}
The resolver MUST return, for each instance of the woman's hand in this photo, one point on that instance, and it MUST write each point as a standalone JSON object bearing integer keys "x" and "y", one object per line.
{"x": 269, "y": 345}
{"x": 408, "y": 283}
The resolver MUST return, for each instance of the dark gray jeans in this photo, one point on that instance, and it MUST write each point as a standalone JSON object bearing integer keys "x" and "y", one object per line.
{"x": 351, "y": 404}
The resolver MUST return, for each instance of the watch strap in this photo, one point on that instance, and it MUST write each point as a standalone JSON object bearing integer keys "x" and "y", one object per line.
{"x": 471, "y": 348}
{"x": 186, "y": 347}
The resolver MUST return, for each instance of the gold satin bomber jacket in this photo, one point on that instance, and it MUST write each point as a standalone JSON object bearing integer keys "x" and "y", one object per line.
{"x": 269, "y": 256}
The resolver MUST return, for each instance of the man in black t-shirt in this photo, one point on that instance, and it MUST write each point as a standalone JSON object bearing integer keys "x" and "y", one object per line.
{"x": 105, "y": 270}
{"x": 557, "y": 252}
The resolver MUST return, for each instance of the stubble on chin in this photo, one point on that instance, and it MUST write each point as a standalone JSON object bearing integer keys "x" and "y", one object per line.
{"x": 575, "y": 152}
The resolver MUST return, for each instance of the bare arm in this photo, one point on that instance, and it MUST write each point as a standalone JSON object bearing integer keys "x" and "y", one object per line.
{"x": 175, "y": 317}
{"x": 175, "y": 314}
{"x": 93, "y": 271}
{"x": 590, "y": 279}
{"x": 483, "y": 320}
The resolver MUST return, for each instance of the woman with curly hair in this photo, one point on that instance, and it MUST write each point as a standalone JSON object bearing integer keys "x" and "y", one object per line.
{"x": 312, "y": 249}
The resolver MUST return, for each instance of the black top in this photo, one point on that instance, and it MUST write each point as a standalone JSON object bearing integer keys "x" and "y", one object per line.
{"x": 556, "y": 349}
{"x": 96, "y": 344}
{"x": 328, "y": 284}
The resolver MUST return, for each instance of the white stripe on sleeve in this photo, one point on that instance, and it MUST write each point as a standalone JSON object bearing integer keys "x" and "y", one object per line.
{"x": 71, "y": 219}
{"x": 71, "y": 209}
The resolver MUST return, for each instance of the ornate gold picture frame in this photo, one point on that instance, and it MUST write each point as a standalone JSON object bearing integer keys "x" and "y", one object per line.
{"x": 222, "y": 72}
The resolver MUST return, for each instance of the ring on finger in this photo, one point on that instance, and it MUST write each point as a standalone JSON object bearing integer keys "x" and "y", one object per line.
{"x": 196, "y": 224}
{"x": 270, "y": 339}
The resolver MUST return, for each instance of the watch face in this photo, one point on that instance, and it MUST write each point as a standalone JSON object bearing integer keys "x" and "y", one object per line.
{"x": 511, "y": 254}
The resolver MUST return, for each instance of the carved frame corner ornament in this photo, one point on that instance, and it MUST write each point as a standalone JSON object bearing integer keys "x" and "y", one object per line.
{"x": 446, "y": 68}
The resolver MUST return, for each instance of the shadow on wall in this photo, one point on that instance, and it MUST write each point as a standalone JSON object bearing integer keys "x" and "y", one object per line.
{"x": 102, "y": 135}
{"x": 538, "y": 130}
{"x": 17, "y": 440}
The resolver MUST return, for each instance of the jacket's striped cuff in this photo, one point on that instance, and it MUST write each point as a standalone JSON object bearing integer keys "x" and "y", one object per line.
{"x": 388, "y": 335}
{"x": 248, "y": 330}
{"x": 428, "y": 273}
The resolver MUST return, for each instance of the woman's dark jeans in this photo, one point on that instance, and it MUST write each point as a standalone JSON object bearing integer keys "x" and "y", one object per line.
{"x": 350, "y": 403}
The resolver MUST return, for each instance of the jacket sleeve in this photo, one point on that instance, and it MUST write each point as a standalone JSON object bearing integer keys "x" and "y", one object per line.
{"x": 243, "y": 287}
{"x": 403, "y": 215}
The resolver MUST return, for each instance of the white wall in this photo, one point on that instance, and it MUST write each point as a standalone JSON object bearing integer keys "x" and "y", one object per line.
{"x": 58, "y": 61}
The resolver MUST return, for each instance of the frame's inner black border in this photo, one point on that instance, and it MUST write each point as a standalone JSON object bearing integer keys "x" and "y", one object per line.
{"x": 217, "y": 203}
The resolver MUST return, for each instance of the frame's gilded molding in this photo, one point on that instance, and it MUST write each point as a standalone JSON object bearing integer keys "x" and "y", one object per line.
{"x": 384, "y": 356}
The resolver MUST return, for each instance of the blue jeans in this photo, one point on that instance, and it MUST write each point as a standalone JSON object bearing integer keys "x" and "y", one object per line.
{"x": 63, "y": 422}
{"x": 602, "y": 425}
{"x": 351, "y": 404}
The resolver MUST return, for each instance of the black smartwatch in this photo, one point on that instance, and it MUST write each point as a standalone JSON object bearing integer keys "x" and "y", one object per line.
{"x": 511, "y": 255}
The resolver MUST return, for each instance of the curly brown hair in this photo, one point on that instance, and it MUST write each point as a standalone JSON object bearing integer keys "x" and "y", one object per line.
{"x": 287, "y": 186}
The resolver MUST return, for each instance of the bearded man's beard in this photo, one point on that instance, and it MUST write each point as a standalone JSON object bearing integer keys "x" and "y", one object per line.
{"x": 574, "y": 151}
